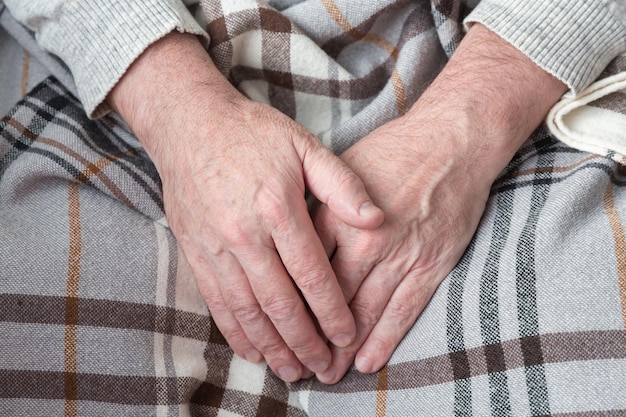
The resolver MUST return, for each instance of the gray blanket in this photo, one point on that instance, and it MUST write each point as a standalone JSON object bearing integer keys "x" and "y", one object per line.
{"x": 100, "y": 315}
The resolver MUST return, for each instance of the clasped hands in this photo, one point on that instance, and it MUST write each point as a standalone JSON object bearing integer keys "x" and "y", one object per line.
{"x": 312, "y": 294}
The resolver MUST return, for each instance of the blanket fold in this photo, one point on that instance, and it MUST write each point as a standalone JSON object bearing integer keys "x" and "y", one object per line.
{"x": 595, "y": 120}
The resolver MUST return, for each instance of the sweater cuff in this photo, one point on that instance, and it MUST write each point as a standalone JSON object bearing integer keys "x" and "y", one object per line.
{"x": 574, "y": 40}
{"x": 99, "y": 40}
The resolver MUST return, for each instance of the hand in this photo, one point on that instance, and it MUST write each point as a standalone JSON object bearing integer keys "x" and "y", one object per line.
{"x": 430, "y": 171}
{"x": 234, "y": 174}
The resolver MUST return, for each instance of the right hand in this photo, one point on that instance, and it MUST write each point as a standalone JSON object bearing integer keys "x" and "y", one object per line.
{"x": 234, "y": 175}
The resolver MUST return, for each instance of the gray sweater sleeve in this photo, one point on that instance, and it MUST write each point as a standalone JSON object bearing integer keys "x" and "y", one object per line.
{"x": 98, "y": 40}
{"x": 574, "y": 40}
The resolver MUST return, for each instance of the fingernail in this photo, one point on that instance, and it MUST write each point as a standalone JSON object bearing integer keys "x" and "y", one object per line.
{"x": 341, "y": 340}
{"x": 328, "y": 376}
{"x": 368, "y": 208}
{"x": 318, "y": 366}
{"x": 364, "y": 364}
{"x": 288, "y": 373}
{"x": 253, "y": 355}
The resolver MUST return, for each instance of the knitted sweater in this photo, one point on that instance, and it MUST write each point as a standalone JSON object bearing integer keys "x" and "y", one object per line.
{"x": 572, "y": 39}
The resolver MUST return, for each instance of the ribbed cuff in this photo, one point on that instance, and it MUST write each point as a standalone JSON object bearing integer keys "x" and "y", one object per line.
{"x": 574, "y": 40}
{"x": 99, "y": 40}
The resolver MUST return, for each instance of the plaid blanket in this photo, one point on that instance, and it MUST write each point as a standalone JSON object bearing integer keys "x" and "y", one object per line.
{"x": 100, "y": 315}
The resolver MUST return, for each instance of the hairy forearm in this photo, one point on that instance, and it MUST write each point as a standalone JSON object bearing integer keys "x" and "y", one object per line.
{"x": 491, "y": 96}
{"x": 172, "y": 74}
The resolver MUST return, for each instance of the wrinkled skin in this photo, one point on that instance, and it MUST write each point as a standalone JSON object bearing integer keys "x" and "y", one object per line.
{"x": 430, "y": 171}
{"x": 234, "y": 175}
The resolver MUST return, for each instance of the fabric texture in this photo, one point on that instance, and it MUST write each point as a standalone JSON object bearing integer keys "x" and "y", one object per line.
{"x": 573, "y": 40}
{"x": 100, "y": 315}
{"x": 547, "y": 32}
{"x": 24, "y": 64}
{"x": 99, "y": 40}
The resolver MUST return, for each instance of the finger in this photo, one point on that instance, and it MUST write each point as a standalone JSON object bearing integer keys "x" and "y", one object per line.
{"x": 225, "y": 321}
{"x": 306, "y": 261}
{"x": 326, "y": 227}
{"x": 243, "y": 305}
{"x": 403, "y": 309}
{"x": 351, "y": 269}
{"x": 352, "y": 258}
{"x": 283, "y": 305}
{"x": 367, "y": 306}
{"x": 336, "y": 185}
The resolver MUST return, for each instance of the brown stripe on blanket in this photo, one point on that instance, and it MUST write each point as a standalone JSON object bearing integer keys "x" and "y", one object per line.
{"x": 276, "y": 31}
{"x": 511, "y": 354}
{"x": 356, "y": 34}
{"x": 362, "y": 32}
{"x": 119, "y": 389}
{"x": 552, "y": 169}
{"x": 615, "y": 102}
{"x": 23, "y": 308}
{"x": 515, "y": 179}
{"x": 91, "y": 169}
{"x": 356, "y": 89}
{"x": 396, "y": 79}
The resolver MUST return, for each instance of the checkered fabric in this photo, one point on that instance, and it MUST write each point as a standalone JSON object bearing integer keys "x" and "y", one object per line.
{"x": 337, "y": 69}
{"x": 100, "y": 314}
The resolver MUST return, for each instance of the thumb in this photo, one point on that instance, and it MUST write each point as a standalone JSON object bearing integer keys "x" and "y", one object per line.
{"x": 336, "y": 185}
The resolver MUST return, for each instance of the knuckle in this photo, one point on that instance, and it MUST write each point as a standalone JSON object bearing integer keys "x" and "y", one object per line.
{"x": 370, "y": 243}
{"x": 235, "y": 336}
{"x": 384, "y": 345}
{"x": 273, "y": 207}
{"x": 305, "y": 347}
{"x": 270, "y": 203}
{"x": 272, "y": 348}
{"x": 238, "y": 233}
{"x": 346, "y": 179}
{"x": 365, "y": 313}
{"x": 281, "y": 309}
{"x": 247, "y": 314}
{"x": 368, "y": 247}
{"x": 314, "y": 282}
{"x": 403, "y": 312}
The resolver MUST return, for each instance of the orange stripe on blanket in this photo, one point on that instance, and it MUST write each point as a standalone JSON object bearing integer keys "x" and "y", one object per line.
{"x": 396, "y": 80}
{"x": 25, "y": 72}
{"x": 71, "y": 307}
{"x": 91, "y": 169}
{"x": 381, "y": 392}
{"x": 619, "y": 240}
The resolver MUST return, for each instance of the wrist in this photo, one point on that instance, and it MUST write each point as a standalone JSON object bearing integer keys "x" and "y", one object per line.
{"x": 173, "y": 77}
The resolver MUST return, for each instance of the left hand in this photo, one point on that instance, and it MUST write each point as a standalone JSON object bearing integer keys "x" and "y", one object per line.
{"x": 430, "y": 172}
{"x": 433, "y": 198}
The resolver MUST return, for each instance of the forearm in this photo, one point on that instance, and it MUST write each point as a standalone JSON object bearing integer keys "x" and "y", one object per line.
{"x": 573, "y": 40}
{"x": 488, "y": 99}
{"x": 99, "y": 40}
